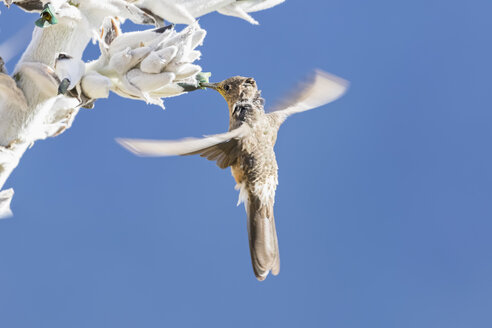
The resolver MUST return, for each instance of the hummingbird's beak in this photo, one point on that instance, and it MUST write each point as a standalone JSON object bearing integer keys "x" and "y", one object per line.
{"x": 214, "y": 86}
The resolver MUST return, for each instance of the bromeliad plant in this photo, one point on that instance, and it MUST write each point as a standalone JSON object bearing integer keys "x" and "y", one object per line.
{"x": 51, "y": 82}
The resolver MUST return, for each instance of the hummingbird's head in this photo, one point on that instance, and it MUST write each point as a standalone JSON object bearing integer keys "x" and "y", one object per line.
{"x": 235, "y": 89}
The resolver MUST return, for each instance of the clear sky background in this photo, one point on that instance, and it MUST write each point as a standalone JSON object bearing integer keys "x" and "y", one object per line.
{"x": 383, "y": 209}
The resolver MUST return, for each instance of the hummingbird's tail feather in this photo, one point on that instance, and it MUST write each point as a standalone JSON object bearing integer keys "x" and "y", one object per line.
{"x": 263, "y": 243}
{"x": 276, "y": 264}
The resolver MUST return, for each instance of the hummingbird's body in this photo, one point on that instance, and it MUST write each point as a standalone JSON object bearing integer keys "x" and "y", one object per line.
{"x": 254, "y": 168}
{"x": 248, "y": 148}
{"x": 255, "y": 172}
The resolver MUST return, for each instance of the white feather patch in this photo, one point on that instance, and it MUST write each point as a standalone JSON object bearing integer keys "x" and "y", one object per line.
{"x": 266, "y": 190}
{"x": 243, "y": 194}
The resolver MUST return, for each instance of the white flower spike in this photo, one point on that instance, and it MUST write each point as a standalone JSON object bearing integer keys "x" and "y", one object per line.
{"x": 154, "y": 11}
{"x": 186, "y": 11}
{"x": 147, "y": 65}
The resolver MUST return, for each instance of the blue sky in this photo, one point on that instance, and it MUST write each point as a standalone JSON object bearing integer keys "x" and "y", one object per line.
{"x": 383, "y": 209}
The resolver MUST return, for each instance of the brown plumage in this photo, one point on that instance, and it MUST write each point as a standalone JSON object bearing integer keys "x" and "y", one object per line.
{"x": 248, "y": 148}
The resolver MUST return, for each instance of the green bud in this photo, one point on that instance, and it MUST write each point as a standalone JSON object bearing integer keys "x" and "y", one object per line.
{"x": 201, "y": 77}
{"x": 47, "y": 17}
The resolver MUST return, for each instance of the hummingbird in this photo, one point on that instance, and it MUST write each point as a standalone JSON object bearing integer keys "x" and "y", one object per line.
{"x": 248, "y": 148}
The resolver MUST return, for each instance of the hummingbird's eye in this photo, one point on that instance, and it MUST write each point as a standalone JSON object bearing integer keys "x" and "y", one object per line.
{"x": 226, "y": 87}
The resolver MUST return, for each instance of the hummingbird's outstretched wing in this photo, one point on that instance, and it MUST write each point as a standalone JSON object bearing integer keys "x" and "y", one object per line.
{"x": 219, "y": 147}
{"x": 321, "y": 89}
